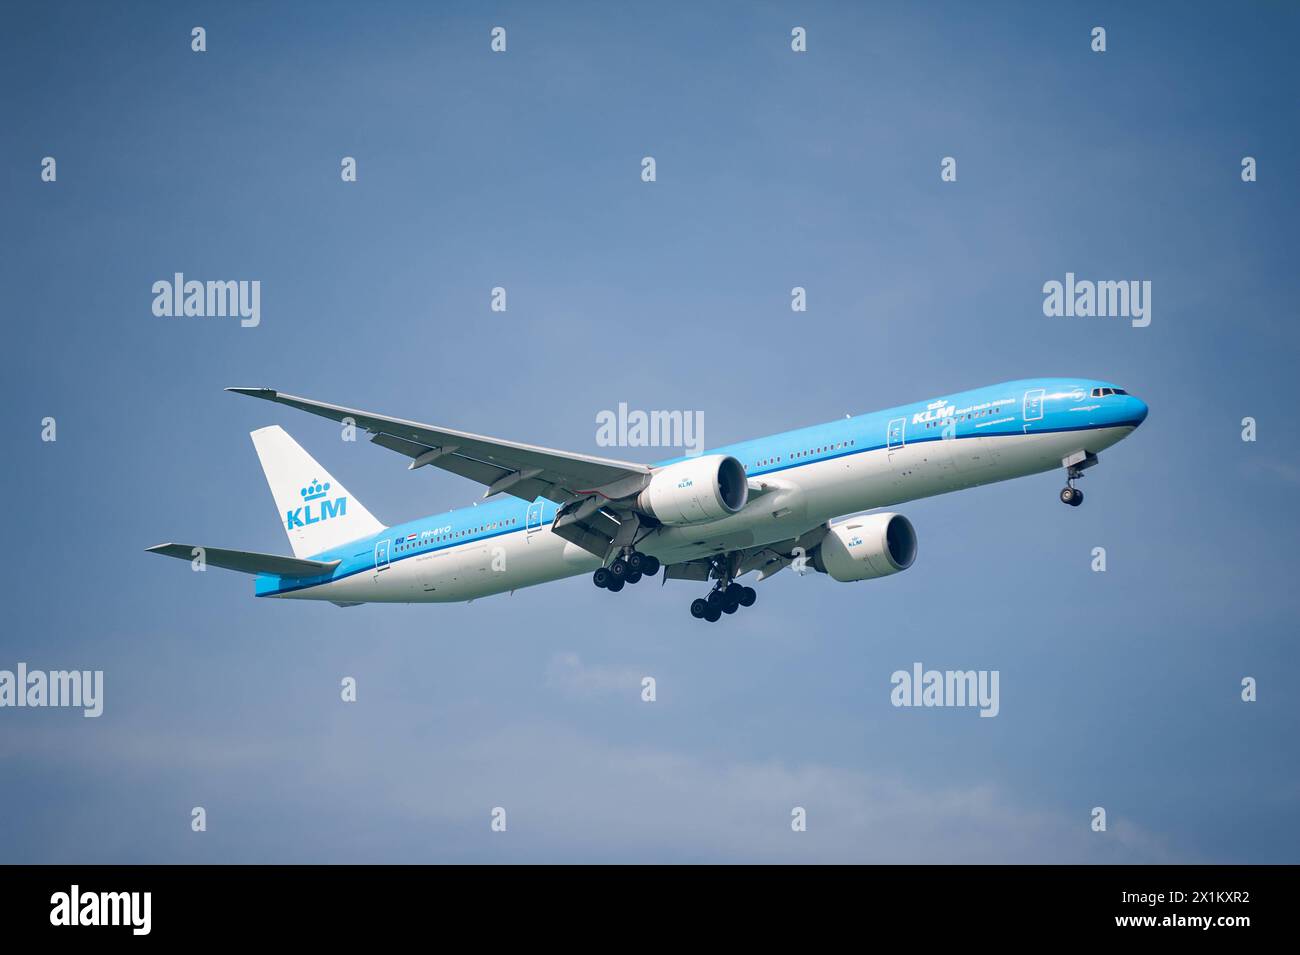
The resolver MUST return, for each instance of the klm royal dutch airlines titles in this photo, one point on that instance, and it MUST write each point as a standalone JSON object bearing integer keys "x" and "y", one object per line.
{"x": 755, "y": 507}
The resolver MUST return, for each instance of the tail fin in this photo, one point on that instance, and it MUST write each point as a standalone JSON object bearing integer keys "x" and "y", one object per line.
{"x": 317, "y": 511}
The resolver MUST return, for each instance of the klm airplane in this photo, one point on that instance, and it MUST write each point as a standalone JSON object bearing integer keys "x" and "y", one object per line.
{"x": 760, "y": 505}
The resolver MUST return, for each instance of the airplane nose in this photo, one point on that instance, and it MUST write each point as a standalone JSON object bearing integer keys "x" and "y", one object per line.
{"x": 1139, "y": 410}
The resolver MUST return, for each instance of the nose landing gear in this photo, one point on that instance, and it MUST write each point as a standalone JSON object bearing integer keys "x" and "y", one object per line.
{"x": 1074, "y": 468}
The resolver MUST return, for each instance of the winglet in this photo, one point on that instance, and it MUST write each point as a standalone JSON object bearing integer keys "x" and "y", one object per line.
{"x": 255, "y": 392}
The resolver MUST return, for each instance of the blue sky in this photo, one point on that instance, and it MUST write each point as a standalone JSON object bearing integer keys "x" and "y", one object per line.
{"x": 774, "y": 169}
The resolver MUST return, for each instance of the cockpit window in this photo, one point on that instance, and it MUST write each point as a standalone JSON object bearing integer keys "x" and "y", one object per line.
{"x": 1103, "y": 392}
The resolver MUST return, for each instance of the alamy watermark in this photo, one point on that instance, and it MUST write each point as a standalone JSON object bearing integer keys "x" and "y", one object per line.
{"x": 83, "y": 688}
{"x": 1083, "y": 298}
{"x": 75, "y": 907}
{"x": 193, "y": 299}
{"x": 921, "y": 687}
{"x": 650, "y": 429}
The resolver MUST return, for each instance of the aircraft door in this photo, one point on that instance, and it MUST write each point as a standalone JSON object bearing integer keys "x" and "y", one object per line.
{"x": 533, "y": 519}
{"x": 894, "y": 434}
{"x": 900, "y": 468}
{"x": 381, "y": 555}
{"x": 1033, "y": 406}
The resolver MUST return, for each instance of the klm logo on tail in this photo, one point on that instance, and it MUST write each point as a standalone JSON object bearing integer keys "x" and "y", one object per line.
{"x": 314, "y": 513}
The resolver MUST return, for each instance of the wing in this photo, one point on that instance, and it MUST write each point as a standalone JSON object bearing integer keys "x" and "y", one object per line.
{"x": 249, "y": 562}
{"x": 524, "y": 470}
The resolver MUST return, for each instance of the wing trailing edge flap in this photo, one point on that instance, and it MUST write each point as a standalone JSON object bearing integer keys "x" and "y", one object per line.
{"x": 593, "y": 532}
{"x": 483, "y": 472}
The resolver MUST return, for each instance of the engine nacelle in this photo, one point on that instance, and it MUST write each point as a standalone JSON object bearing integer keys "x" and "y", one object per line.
{"x": 862, "y": 548}
{"x": 696, "y": 490}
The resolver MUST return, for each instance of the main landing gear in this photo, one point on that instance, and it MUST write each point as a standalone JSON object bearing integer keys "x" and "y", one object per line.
{"x": 625, "y": 570}
{"x": 722, "y": 600}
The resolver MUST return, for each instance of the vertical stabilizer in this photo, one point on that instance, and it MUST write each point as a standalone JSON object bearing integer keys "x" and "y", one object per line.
{"x": 316, "y": 510}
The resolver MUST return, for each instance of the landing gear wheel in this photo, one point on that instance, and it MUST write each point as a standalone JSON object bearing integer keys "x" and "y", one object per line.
{"x": 699, "y": 608}
{"x": 601, "y": 577}
{"x": 715, "y": 600}
{"x": 713, "y": 615}
{"x": 633, "y": 576}
{"x": 618, "y": 568}
{"x": 636, "y": 563}
{"x": 730, "y": 607}
{"x": 649, "y": 565}
{"x": 747, "y": 596}
{"x": 733, "y": 592}
{"x": 1081, "y": 461}
{"x": 615, "y": 585}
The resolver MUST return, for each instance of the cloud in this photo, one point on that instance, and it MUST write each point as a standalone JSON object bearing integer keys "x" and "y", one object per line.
{"x": 567, "y": 672}
{"x": 649, "y": 803}
{"x": 571, "y": 798}
{"x": 1277, "y": 470}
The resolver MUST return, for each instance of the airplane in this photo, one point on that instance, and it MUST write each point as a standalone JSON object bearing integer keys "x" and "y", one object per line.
{"x": 756, "y": 506}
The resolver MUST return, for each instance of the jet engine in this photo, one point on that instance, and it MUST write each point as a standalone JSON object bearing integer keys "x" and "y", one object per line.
{"x": 863, "y": 548}
{"x": 696, "y": 490}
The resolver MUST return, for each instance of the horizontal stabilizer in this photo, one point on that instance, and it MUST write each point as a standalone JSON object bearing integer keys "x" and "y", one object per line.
{"x": 247, "y": 561}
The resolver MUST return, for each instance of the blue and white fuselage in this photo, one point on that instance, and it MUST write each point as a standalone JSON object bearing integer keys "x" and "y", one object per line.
{"x": 798, "y": 480}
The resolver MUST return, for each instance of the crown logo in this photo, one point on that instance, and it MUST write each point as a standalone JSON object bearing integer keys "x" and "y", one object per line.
{"x": 314, "y": 490}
